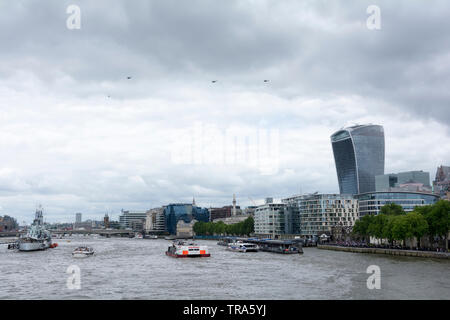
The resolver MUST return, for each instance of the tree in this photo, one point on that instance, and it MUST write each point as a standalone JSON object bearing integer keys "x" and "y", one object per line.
{"x": 438, "y": 219}
{"x": 418, "y": 225}
{"x": 392, "y": 209}
{"x": 376, "y": 226}
{"x": 361, "y": 227}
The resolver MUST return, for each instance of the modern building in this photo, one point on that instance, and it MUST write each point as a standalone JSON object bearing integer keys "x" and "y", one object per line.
{"x": 181, "y": 211}
{"x": 319, "y": 213}
{"x": 78, "y": 217}
{"x": 419, "y": 179}
{"x": 359, "y": 157}
{"x": 270, "y": 220}
{"x": 441, "y": 183}
{"x": 155, "y": 221}
{"x": 129, "y": 218}
{"x": 371, "y": 202}
{"x": 185, "y": 230}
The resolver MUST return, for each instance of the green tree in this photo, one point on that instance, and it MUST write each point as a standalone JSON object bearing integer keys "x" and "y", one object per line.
{"x": 392, "y": 209}
{"x": 418, "y": 225}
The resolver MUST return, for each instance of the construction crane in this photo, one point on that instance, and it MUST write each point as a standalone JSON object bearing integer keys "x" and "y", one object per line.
{"x": 254, "y": 203}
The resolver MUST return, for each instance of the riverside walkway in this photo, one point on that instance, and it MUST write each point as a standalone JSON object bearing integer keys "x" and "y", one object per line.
{"x": 392, "y": 252}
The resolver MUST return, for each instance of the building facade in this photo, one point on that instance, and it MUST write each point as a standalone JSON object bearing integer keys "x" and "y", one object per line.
{"x": 270, "y": 220}
{"x": 371, "y": 202}
{"x": 319, "y": 213}
{"x": 224, "y": 212}
{"x": 359, "y": 157}
{"x": 441, "y": 183}
{"x": 387, "y": 182}
{"x": 129, "y": 218}
{"x": 180, "y": 211}
{"x": 155, "y": 221}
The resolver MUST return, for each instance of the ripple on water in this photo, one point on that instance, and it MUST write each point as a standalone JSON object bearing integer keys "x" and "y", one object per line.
{"x": 139, "y": 269}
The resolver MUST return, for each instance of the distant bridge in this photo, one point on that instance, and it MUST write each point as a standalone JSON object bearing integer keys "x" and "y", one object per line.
{"x": 102, "y": 232}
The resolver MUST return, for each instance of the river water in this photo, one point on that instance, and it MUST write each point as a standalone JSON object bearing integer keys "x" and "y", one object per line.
{"x": 125, "y": 268}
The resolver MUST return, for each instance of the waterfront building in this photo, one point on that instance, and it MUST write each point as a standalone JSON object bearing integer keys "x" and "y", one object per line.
{"x": 181, "y": 211}
{"x": 319, "y": 213}
{"x": 155, "y": 221}
{"x": 359, "y": 157}
{"x": 233, "y": 219}
{"x": 441, "y": 183}
{"x": 128, "y": 217}
{"x": 270, "y": 220}
{"x": 185, "y": 229}
{"x": 224, "y": 212}
{"x": 8, "y": 223}
{"x": 78, "y": 217}
{"x": 371, "y": 202}
{"x": 409, "y": 179}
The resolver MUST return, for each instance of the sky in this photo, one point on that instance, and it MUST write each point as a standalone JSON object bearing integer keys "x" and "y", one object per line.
{"x": 78, "y": 135}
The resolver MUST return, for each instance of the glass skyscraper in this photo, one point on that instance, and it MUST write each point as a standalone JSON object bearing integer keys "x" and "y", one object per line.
{"x": 359, "y": 157}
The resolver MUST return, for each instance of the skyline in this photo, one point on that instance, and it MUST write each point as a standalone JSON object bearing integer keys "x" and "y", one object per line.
{"x": 78, "y": 135}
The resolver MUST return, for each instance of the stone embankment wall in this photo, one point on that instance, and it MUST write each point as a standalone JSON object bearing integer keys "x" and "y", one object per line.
{"x": 393, "y": 252}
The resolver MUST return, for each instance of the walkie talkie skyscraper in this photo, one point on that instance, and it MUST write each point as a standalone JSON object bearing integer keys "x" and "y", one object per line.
{"x": 359, "y": 157}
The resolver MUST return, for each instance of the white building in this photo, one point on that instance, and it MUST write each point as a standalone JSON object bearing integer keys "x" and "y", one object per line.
{"x": 155, "y": 220}
{"x": 320, "y": 212}
{"x": 270, "y": 220}
{"x": 128, "y": 217}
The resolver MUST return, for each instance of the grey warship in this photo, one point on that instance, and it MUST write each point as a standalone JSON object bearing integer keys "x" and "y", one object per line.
{"x": 37, "y": 238}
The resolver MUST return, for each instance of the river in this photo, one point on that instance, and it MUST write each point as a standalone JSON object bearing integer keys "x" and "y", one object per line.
{"x": 125, "y": 268}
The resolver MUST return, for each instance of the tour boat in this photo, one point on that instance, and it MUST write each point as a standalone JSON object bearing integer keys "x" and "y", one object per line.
{"x": 242, "y": 247}
{"x": 82, "y": 252}
{"x": 182, "y": 249}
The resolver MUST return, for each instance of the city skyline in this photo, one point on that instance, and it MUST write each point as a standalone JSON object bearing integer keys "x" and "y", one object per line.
{"x": 91, "y": 117}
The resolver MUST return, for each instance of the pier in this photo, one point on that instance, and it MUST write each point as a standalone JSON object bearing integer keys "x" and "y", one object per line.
{"x": 392, "y": 252}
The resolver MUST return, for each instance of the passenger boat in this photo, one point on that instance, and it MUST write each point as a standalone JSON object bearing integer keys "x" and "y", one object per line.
{"x": 82, "y": 252}
{"x": 242, "y": 247}
{"x": 182, "y": 249}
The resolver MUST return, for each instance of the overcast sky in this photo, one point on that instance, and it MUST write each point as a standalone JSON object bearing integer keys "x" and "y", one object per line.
{"x": 77, "y": 135}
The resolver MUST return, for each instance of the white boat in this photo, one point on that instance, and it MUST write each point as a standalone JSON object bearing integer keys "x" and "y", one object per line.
{"x": 138, "y": 235}
{"x": 182, "y": 249}
{"x": 242, "y": 247}
{"x": 81, "y": 252}
{"x": 37, "y": 238}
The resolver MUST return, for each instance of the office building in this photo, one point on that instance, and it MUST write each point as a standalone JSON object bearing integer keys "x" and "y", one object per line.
{"x": 319, "y": 213}
{"x": 359, "y": 157}
{"x": 155, "y": 221}
{"x": 270, "y": 220}
{"x": 371, "y": 202}
{"x": 78, "y": 217}
{"x": 180, "y": 211}
{"x": 130, "y": 219}
{"x": 419, "y": 180}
